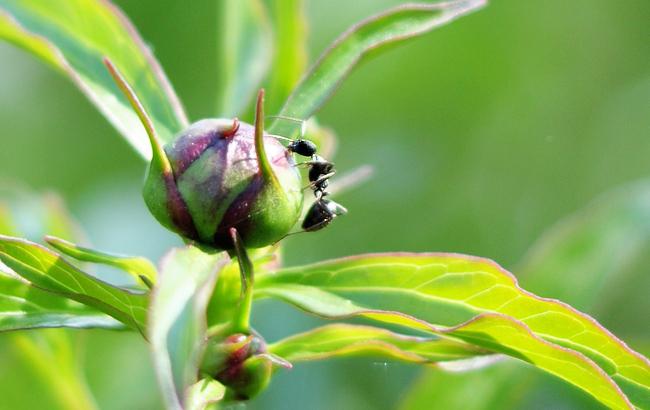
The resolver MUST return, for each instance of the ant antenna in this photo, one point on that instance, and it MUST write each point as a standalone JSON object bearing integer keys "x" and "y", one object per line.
{"x": 303, "y": 123}
{"x": 280, "y": 137}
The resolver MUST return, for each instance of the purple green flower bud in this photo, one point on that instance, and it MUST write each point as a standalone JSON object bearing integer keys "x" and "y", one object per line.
{"x": 221, "y": 174}
{"x": 239, "y": 362}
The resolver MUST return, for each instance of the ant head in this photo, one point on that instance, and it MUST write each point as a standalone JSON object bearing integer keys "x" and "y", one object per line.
{"x": 303, "y": 147}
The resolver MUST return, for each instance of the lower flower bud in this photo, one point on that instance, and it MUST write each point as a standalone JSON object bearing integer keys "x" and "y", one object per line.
{"x": 239, "y": 363}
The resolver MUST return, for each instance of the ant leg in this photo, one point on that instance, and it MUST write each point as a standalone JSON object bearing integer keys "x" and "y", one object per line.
{"x": 306, "y": 163}
{"x": 288, "y": 234}
{"x": 320, "y": 179}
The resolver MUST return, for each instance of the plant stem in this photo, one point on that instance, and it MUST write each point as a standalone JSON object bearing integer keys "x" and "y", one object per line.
{"x": 241, "y": 321}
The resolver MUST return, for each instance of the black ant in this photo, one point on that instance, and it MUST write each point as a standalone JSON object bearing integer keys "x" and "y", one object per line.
{"x": 322, "y": 211}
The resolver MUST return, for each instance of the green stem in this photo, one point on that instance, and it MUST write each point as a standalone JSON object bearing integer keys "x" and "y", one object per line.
{"x": 241, "y": 322}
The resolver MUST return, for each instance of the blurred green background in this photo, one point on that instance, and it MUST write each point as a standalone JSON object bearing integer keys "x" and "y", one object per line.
{"x": 482, "y": 135}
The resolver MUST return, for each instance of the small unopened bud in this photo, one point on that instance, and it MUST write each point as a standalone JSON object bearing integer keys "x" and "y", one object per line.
{"x": 240, "y": 363}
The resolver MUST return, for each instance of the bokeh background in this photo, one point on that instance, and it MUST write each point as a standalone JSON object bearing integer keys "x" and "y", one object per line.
{"x": 482, "y": 134}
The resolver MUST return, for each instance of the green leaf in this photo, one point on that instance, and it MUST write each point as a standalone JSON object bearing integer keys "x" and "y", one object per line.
{"x": 203, "y": 393}
{"x": 23, "y": 306}
{"x": 582, "y": 255}
{"x": 395, "y": 25}
{"x": 439, "y": 292}
{"x": 74, "y": 37}
{"x": 577, "y": 260}
{"x": 342, "y": 340}
{"x": 290, "y": 59}
{"x": 178, "y": 320}
{"x": 245, "y": 53}
{"x": 54, "y": 357}
{"x": 141, "y": 269}
{"x": 48, "y": 271}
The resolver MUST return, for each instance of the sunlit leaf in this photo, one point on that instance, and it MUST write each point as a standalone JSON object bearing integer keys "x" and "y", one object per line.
{"x": 23, "y": 306}
{"x": 577, "y": 260}
{"x": 397, "y": 24}
{"x": 48, "y": 271}
{"x": 340, "y": 340}
{"x": 177, "y": 318}
{"x": 244, "y": 53}
{"x": 140, "y": 268}
{"x": 435, "y": 292}
{"x": 74, "y": 36}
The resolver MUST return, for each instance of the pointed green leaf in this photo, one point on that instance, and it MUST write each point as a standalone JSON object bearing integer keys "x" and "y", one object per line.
{"x": 245, "y": 53}
{"x": 342, "y": 340}
{"x": 436, "y": 292}
{"x": 23, "y": 306}
{"x": 48, "y": 271}
{"x": 74, "y": 37}
{"x": 290, "y": 27}
{"x": 178, "y": 319}
{"x": 141, "y": 269}
{"x": 395, "y": 25}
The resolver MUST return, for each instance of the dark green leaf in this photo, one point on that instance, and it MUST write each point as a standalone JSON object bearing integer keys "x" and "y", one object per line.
{"x": 245, "y": 53}
{"x": 139, "y": 268}
{"x": 48, "y": 271}
{"x": 23, "y": 306}
{"x": 289, "y": 23}
{"x": 397, "y": 24}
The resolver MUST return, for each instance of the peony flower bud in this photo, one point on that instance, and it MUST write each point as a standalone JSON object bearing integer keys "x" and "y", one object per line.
{"x": 225, "y": 174}
{"x": 239, "y": 362}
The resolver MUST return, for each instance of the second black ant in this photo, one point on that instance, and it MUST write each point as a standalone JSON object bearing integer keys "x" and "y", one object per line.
{"x": 322, "y": 211}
